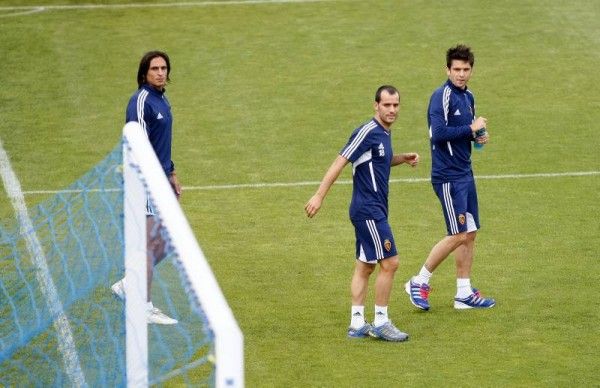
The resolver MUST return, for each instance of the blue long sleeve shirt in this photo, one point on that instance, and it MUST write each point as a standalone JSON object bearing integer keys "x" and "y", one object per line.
{"x": 151, "y": 109}
{"x": 449, "y": 116}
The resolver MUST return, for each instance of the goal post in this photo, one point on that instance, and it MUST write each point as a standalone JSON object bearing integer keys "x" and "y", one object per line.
{"x": 62, "y": 319}
{"x": 143, "y": 177}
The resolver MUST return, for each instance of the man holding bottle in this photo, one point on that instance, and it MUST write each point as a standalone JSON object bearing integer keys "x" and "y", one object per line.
{"x": 453, "y": 126}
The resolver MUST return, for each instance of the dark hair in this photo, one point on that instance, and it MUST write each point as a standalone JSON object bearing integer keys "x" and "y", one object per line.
{"x": 145, "y": 65}
{"x": 460, "y": 52}
{"x": 388, "y": 88}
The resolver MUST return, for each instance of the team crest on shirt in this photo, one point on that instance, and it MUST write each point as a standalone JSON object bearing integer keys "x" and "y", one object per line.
{"x": 461, "y": 219}
{"x": 381, "y": 150}
{"x": 387, "y": 244}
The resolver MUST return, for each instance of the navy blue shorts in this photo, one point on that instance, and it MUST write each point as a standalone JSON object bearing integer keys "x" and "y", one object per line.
{"x": 374, "y": 240}
{"x": 459, "y": 203}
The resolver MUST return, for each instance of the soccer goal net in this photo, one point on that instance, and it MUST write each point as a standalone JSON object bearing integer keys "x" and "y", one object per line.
{"x": 60, "y": 322}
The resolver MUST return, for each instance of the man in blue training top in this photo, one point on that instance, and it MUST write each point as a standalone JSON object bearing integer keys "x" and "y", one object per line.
{"x": 150, "y": 108}
{"x": 452, "y": 129}
{"x": 369, "y": 149}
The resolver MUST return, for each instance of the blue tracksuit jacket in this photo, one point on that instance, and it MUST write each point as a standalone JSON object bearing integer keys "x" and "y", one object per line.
{"x": 449, "y": 116}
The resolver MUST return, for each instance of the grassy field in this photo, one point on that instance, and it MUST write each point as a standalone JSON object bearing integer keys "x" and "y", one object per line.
{"x": 268, "y": 93}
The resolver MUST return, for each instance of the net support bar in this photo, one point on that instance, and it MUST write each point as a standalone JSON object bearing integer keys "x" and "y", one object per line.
{"x": 229, "y": 354}
{"x": 136, "y": 329}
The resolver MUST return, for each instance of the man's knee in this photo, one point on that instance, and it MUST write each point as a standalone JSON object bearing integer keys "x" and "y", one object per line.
{"x": 390, "y": 263}
{"x": 363, "y": 268}
{"x": 459, "y": 238}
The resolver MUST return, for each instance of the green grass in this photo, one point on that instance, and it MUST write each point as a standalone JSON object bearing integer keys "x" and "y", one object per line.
{"x": 270, "y": 93}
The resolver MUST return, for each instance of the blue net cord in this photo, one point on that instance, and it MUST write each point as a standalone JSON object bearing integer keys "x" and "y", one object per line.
{"x": 81, "y": 232}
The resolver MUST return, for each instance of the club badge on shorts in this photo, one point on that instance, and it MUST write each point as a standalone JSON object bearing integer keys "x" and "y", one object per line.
{"x": 387, "y": 244}
{"x": 461, "y": 219}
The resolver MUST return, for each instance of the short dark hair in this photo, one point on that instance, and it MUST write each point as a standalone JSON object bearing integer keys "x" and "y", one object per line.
{"x": 388, "y": 88}
{"x": 460, "y": 52}
{"x": 145, "y": 65}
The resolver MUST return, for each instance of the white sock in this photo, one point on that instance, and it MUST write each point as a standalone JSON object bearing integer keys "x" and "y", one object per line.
{"x": 381, "y": 315}
{"x": 357, "y": 319}
{"x": 423, "y": 277}
{"x": 463, "y": 288}
{"x": 149, "y": 306}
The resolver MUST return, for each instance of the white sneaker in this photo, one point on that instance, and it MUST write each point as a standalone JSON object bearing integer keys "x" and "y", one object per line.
{"x": 119, "y": 289}
{"x": 158, "y": 317}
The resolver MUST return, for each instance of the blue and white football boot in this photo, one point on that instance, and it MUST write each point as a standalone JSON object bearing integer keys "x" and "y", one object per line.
{"x": 389, "y": 332}
{"x": 418, "y": 293}
{"x": 474, "y": 301}
{"x": 361, "y": 332}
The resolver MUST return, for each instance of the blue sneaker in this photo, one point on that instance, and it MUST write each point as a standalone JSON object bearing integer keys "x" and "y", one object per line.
{"x": 388, "y": 332}
{"x": 362, "y": 332}
{"x": 419, "y": 294}
{"x": 474, "y": 301}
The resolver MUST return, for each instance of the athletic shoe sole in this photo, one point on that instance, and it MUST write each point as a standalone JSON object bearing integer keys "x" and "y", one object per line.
{"x": 463, "y": 306}
{"x": 363, "y": 332}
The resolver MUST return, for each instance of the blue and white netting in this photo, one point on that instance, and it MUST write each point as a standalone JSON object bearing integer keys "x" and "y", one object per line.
{"x": 80, "y": 232}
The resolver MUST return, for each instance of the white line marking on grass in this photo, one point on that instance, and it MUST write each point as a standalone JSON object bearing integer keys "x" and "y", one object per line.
{"x": 66, "y": 344}
{"x": 25, "y": 10}
{"x": 20, "y": 11}
{"x": 539, "y": 175}
{"x": 398, "y": 180}
{"x": 340, "y": 182}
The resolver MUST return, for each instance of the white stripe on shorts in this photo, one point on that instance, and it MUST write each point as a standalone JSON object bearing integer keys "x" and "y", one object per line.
{"x": 450, "y": 208}
{"x": 376, "y": 239}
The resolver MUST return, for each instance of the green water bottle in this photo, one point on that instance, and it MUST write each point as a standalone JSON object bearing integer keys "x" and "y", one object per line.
{"x": 479, "y": 133}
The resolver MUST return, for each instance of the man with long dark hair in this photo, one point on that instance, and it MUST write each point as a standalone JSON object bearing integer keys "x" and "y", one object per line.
{"x": 150, "y": 108}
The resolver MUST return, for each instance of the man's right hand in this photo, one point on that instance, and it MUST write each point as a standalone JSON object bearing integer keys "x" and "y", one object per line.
{"x": 480, "y": 122}
{"x": 313, "y": 205}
